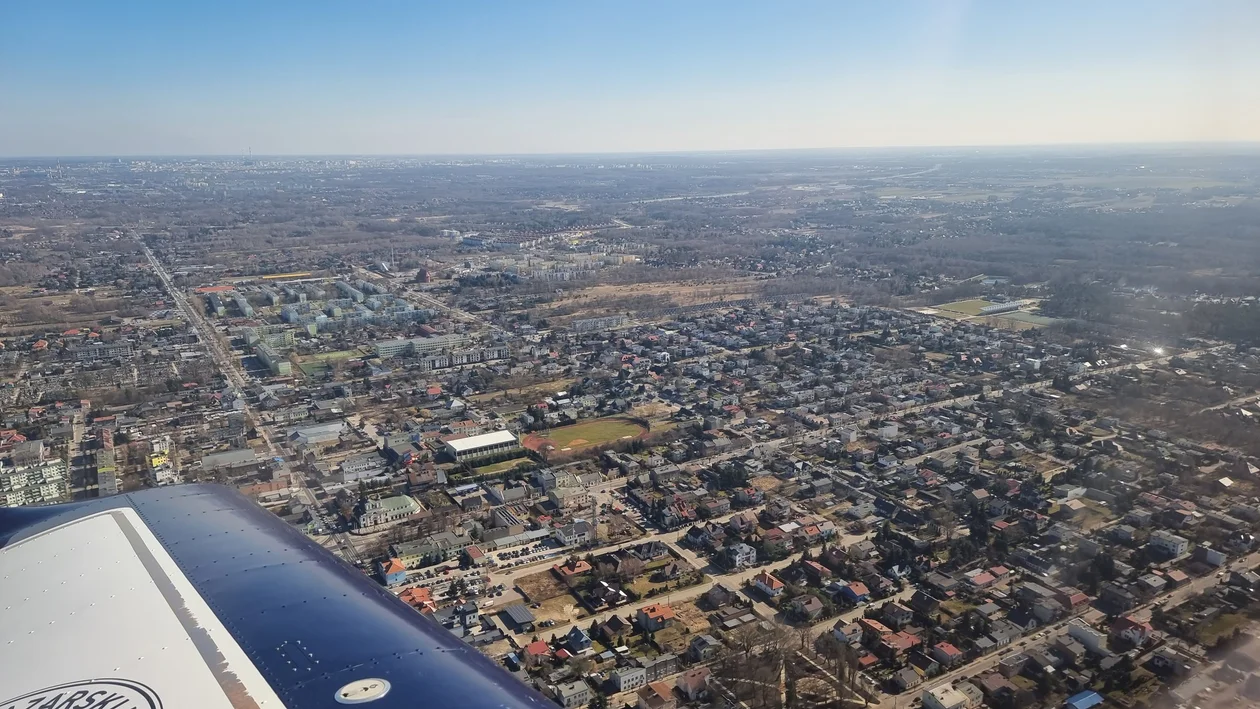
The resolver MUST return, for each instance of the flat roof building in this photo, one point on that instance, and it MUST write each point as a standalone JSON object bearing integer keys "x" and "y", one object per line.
{"x": 276, "y": 362}
{"x": 420, "y": 345}
{"x": 945, "y": 697}
{"x": 230, "y": 460}
{"x": 320, "y": 433}
{"x": 520, "y": 616}
{"x": 40, "y": 484}
{"x": 473, "y": 447}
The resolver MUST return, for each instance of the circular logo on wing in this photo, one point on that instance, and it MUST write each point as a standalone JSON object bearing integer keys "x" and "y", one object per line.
{"x": 108, "y": 693}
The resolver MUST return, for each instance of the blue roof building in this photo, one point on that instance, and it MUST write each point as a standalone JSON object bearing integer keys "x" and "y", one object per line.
{"x": 1084, "y": 700}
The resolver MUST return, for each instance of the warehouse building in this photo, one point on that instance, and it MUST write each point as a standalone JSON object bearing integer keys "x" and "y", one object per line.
{"x": 318, "y": 434}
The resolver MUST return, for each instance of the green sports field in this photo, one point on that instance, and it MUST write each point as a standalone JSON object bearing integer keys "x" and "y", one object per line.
{"x": 597, "y": 432}
{"x": 965, "y": 307}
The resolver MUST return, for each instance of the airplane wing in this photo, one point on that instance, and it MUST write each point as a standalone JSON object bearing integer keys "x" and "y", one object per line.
{"x": 192, "y": 596}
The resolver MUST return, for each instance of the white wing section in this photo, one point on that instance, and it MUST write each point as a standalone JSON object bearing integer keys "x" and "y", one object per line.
{"x": 97, "y": 608}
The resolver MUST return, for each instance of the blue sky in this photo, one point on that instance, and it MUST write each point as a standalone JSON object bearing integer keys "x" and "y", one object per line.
{"x": 311, "y": 77}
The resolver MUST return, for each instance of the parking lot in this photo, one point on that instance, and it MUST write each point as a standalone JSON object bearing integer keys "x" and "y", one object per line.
{"x": 439, "y": 580}
{"x": 511, "y": 558}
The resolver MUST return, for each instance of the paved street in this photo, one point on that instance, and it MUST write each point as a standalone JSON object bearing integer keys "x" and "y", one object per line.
{"x": 227, "y": 366}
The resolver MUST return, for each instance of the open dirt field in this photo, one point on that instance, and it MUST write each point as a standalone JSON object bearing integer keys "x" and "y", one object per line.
{"x": 681, "y": 292}
{"x": 556, "y": 602}
{"x": 533, "y": 391}
{"x": 613, "y": 298}
{"x": 541, "y": 586}
{"x": 766, "y": 483}
{"x": 561, "y": 609}
{"x": 691, "y": 617}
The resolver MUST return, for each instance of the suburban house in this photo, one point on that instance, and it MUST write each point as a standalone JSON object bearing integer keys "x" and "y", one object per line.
{"x": 739, "y": 556}
{"x": 613, "y": 628}
{"x": 657, "y": 695}
{"x": 703, "y": 647}
{"x": 420, "y": 598}
{"x": 660, "y": 666}
{"x": 720, "y": 595}
{"x": 897, "y": 644}
{"x": 576, "y": 534}
{"x": 768, "y": 584}
{"x": 847, "y": 633}
{"x": 807, "y": 606}
{"x": 896, "y": 615}
{"x": 1169, "y": 544}
{"x": 655, "y": 617}
{"x": 628, "y": 679}
{"x": 855, "y": 592}
{"x": 577, "y": 640}
{"x": 536, "y": 652}
{"x": 872, "y": 629}
{"x": 946, "y": 654}
{"x": 573, "y": 694}
{"x": 861, "y": 550}
{"x": 947, "y": 696}
{"x": 392, "y": 571}
{"x": 1131, "y": 630}
{"x": 694, "y": 683}
{"x": 816, "y": 571}
{"x": 907, "y": 678}
{"x": 572, "y": 567}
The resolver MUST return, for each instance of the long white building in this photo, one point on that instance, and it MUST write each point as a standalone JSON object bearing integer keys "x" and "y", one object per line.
{"x": 474, "y": 447}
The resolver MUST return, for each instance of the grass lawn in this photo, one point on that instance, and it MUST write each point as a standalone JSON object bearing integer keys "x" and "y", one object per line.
{"x": 1029, "y": 318}
{"x": 661, "y": 563}
{"x": 500, "y": 467}
{"x": 586, "y": 434}
{"x": 965, "y": 307}
{"x": 333, "y": 356}
{"x": 956, "y": 608}
{"x": 644, "y": 583}
{"x": 314, "y": 369}
{"x": 671, "y": 639}
{"x": 1023, "y": 683}
{"x": 1222, "y": 625}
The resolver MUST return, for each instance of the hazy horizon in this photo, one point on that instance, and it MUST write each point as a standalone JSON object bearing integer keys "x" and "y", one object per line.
{"x": 491, "y": 78}
{"x": 922, "y": 150}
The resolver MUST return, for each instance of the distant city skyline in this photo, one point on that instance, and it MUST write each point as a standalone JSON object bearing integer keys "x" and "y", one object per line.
{"x": 496, "y": 78}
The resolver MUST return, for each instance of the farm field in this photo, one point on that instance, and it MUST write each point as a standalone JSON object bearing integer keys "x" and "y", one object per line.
{"x": 584, "y": 435}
